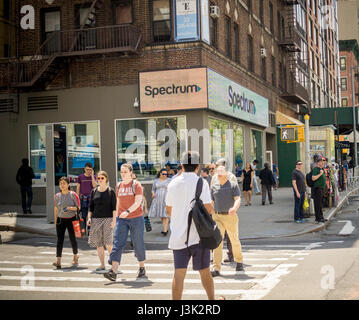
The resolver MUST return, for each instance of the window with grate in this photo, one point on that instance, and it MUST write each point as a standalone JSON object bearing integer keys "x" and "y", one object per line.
{"x": 263, "y": 68}
{"x": 227, "y": 34}
{"x": 250, "y": 54}
{"x": 236, "y": 42}
{"x": 161, "y": 21}
{"x": 274, "y": 80}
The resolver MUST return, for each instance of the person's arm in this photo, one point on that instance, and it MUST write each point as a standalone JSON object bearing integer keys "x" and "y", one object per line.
{"x": 78, "y": 187}
{"x": 252, "y": 177}
{"x": 154, "y": 189}
{"x": 209, "y": 207}
{"x": 316, "y": 177}
{"x": 237, "y": 203}
{"x": 94, "y": 182}
{"x": 169, "y": 211}
{"x": 294, "y": 183}
{"x": 242, "y": 177}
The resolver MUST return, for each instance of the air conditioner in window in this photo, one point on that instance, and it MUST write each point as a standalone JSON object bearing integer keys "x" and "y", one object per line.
{"x": 263, "y": 52}
{"x": 214, "y": 11}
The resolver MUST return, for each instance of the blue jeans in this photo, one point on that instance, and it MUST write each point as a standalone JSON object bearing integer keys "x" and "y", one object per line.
{"x": 26, "y": 205}
{"x": 298, "y": 206}
{"x": 136, "y": 228}
{"x": 84, "y": 208}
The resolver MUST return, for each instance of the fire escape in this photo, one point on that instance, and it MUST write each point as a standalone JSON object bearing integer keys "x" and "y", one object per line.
{"x": 41, "y": 69}
{"x": 296, "y": 75}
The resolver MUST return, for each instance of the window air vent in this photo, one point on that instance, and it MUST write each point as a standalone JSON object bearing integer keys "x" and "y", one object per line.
{"x": 8, "y": 104}
{"x": 42, "y": 103}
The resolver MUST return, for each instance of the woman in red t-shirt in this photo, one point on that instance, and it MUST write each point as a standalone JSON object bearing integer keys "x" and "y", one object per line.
{"x": 128, "y": 217}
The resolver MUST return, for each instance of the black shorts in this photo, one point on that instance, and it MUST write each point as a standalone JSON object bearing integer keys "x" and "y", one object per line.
{"x": 201, "y": 257}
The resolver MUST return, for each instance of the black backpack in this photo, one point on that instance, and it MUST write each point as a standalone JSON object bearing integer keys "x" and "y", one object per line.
{"x": 309, "y": 180}
{"x": 209, "y": 234}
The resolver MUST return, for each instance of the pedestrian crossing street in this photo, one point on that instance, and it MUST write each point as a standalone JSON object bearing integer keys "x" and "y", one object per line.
{"x": 265, "y": 266}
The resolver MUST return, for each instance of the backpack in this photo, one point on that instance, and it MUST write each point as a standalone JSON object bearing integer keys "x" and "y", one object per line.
{"x": 309, "y": 180}
{"x": 208, "y": 231}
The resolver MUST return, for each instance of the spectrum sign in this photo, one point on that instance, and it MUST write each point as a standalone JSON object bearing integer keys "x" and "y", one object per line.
{"x": 173, "y": 90}
{"x": 230, "y": 98}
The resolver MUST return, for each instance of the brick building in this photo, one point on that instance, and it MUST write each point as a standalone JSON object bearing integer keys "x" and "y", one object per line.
{"x": 349, "y": 57}
{"x": 91, "y": 70}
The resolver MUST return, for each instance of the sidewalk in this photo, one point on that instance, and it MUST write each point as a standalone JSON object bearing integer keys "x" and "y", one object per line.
{"x": 255, "y": 221}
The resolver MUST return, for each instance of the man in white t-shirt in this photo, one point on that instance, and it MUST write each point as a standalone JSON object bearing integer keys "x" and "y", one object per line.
{"x": 180, "y": 193}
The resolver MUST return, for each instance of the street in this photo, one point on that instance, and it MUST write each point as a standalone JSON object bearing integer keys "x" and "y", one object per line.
{"x": 317, "y": 266}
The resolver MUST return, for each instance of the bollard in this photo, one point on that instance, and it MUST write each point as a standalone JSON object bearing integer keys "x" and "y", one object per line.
{"x": 0, "y": 239}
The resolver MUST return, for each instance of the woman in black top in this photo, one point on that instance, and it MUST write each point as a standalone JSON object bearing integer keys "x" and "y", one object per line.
{"x": 101, "y": 212}
{"x": 247, "y": 178}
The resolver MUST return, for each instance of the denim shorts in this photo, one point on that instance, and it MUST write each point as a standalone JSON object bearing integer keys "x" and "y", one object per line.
{"x": 201, "y": 257}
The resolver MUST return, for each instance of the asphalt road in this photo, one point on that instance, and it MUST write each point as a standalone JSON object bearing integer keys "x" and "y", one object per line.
{"x": 319, "y": 266}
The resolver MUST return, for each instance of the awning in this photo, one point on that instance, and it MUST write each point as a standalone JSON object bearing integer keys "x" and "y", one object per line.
{"x": 283, "y": 119}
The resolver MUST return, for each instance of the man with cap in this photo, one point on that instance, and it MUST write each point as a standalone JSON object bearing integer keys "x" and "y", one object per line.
{"x": 318, "y": 178}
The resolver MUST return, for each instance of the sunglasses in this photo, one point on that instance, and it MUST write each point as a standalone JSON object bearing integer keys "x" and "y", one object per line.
{"x": 100, "y": 178}
{"x": 299, "y": 164}
{"x": 211, "y": 169}
{"x": 164, "y": 174}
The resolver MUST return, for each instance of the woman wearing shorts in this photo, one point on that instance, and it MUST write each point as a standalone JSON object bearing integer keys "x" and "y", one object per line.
{"x": 100, "y": 218}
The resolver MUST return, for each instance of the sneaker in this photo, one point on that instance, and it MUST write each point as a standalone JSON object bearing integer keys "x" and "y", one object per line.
{"x": 323, "y": 220}
{"x": 100, "y": 269}
{"x": 131, "y": 245}
{"x": 298, "y": 221}
{"x": 305, "y": 220}
{"x": 215, "y": 273}
{"x": 141, "y": 273}
{"x": 110, "y": 275}
{"x": 263, "y": 203}
{"x": 29, "y": 211}
{"x": 229, "y": 259}
{"x": 239, "y": 267}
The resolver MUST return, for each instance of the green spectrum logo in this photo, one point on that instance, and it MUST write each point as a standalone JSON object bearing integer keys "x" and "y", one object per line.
{"x": 173, "y": 89}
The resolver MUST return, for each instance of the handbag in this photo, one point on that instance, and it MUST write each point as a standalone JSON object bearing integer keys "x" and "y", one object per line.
{"x": 305, "y": 204}
{"x": 79, "y": 226}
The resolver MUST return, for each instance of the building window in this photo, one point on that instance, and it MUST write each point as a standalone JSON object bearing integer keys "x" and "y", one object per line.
{"x": 51, "y": 23}
{"x": 249, "y": 5}
{"x": 228, "y": 37}
{"x": 150, "y": 153}
{"x": 161, "y": 20}
{"x": 319, "y": 96}
{"x": 313, "y": 91}
{"x": 343, "y": 63}
{"x": 238, "y": 144}
{"x": 280, "y": 75}
{"x": 6, "y": 9}
{"x": 343, "y": 84}
{"x": 256, "y": 147}
{"x": 263, "y": 68}
{"x": 219, "y": 146}
{"x": 250, "y": 54}
{"x": 313, "y": 61}
{"x": 75, "y": 144}
{"x": 123, "y": 12}
{"x": 273, "y": 72}
{"x": 344, "y": 102}
{"x": 236, "y": 42}
{"x": 278, "y": 25}
{"x": 213, "y": 31}
{"x": 261, "y": 11}
{"x": 6, "y": 51}
{"x": 271, "y": 17}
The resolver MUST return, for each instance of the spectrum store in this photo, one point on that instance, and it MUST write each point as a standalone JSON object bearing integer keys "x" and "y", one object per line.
{"x": 91, "y": 124}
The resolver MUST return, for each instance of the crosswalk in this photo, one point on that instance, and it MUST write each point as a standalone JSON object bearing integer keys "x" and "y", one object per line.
{"x": 32, "y": 273}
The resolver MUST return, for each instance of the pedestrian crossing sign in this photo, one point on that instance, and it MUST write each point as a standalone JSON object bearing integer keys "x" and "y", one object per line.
{"x": 292, "y": 133}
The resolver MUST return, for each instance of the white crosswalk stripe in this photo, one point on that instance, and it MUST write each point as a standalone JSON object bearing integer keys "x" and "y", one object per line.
{"x": 265, "y": 266}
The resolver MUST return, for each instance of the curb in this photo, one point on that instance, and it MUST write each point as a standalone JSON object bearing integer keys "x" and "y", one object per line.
{"x": 331, "y": 215}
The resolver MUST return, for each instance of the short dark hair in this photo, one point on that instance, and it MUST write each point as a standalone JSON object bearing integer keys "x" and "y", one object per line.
{"x": 25, "y": 161}
{"x": 190, "y": 161}
{"x": 319, "y": 159}
{"x": 205, "y": 170}
{"x": 255, "y": 161}
{"x": 88, "y": 165}
{"x": 67, "y": 180}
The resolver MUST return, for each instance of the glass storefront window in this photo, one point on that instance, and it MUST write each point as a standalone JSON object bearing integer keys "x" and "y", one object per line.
{"x": 219, "y": 147}
{"x": 238, "y": 148}
{"x": 145, "y": 147}
{"x": 75, "y": 144}
{"x": 83, "y": 145}
{"x": 37, "y": 139}
{"x": 256, "y": 148}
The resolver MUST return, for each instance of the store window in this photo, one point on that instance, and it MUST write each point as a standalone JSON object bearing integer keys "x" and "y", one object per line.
{"x": 238, "y": 144}
{"x": 161, "y": 20}
{"x": 256, "y": 147}
{"x": 37, "y": 140}
{"x": 147, "y": 148}
{"x": 75, "y": 144}
{"x": 219, "y": 146}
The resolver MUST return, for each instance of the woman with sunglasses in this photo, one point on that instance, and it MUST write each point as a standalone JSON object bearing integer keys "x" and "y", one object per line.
{"x": 158, "y": 205}
{"x": 100, "y": 217}
{"x": 67, "y": 203}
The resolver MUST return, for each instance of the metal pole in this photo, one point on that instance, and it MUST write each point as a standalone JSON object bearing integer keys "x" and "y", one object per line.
{"x": 355, "y": 162}
{"x": 307, "y": 155}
